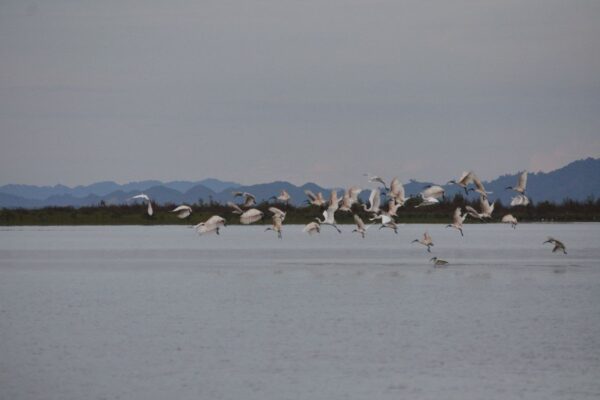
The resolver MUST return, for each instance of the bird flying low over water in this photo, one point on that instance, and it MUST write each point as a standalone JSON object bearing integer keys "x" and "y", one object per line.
{"x": 283, "y": 197}
{"x": 182, "y": 211}
{"x": 463, "y": 181}
{"x": 211, "y": 225}
{"x": 374, "y": 202}
{"x": 249, "y": 199}
{"x": 457, "y": 221}
{"x": 360, "y": 226}
{"x": 374, "y": 178}
{"x": 277, "y": 223}
{"x": 396, "y": 192}
{"x": 519, "y": 200}
{"x": 250, "y": 216}
{"x": 315, "y": 199}
{"x": 329, "y": 219}
{"x": 438, "y": 262}
{"x": 521, "y": 184}
{"x": 425, "y": 241}
{"x": 558, "y": 245}
{"x": 509, "y": 219}
{"x": 349, "y": 199}
{"x": 386, "y": 221}
{"x": 312, "y": 228}
{"x": 486, "y": 209}
{"x": 145, "y": 197}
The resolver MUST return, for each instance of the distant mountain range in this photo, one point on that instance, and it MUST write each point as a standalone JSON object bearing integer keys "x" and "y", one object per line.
{"x": 578, "y": 181}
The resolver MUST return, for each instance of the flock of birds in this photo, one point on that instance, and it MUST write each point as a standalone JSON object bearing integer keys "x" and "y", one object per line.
{"x": 394, "y": 195}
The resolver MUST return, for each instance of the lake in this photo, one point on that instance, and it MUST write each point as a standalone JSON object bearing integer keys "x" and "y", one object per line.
{"x": 159, "y": 312}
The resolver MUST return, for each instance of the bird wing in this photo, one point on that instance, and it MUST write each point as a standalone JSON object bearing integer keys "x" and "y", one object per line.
{"x": 478, "y": 183}
{"x": 359, "y": 222}
{"x": 354, "y": 192}
{"x": 277, "y": 211}
{"x": 466, "y": 177}
{"x": 433, "y": 191}
{"x": 522, "y": 181}
{"x": 485, "y": 205}
{"x": 141, "y": 196}
{"x": 181, "y": 208}
{"x": 427, "y": 238}
{"x": 310, "y": 195}
{"x": 471, "y": 211}
{"x": 395, "y": 186}
{"x": 250, "y": 216}
{"x": 235, "y": 207}
{"x": 375, "y": 199}
{"x": 457, "y": 217}
{"x": 248, "y": 196}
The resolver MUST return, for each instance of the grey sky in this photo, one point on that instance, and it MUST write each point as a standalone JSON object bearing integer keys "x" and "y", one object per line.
{"x": 321, "y": 91}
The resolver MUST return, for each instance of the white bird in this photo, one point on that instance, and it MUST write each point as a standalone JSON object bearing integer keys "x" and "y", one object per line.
{"x": 374, "y": 202}
{"x": 438, "y": 262}
{"x": 277, "y": 211}
{"x": 329, "y": 219}
{"x": 425, "y": 241}
{"x": 457, "y": 221}
{"x": 360, "y": 226}
{"x": 427, "y": 201}
{"x": 236, "y": 209}
{"x": 519, "y": 200}
{"x": 140, "y": 196}
{"x": 509, "y": 219}
{"x": 211, "y": 225}
{"x": 374, "y": 178}
{"x": 486, "y": 209}
{"x": 334, "y": 201}
{"x": 463, "y": 181}
{"x": 312, "y": 228}
{"x": 250, "y": 216}
{"x": 249, "y": 199}
{"x": 145, "y": 197}
{"x": 434, "y": 191}
{"x": 521, "y": 184}
{"x": 558, "y": 245}
{"x": 316, "y": 200}
{"x": 283, "y": 197}
{"x": 393, "y": 207}
{"x": 182, "y": 211}
{"x": 397, "y": 192}
{"x": 277, "y": 222}
{"x": 386, "y": 221}
{"x": 479, "y": 188}
{"x": 350, "y": 198}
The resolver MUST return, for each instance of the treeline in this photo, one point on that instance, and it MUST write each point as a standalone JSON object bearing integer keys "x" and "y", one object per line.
{"x": 567, "y": 211}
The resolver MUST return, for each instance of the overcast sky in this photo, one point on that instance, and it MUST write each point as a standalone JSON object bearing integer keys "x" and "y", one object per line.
{"x": 323, "y": 91}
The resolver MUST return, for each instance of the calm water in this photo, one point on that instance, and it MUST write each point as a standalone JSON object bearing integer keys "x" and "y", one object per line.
{"x": 158, "y": 312}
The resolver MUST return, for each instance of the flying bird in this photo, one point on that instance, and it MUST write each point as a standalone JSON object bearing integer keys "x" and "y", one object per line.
{"x": 283, "y": 197}
{"x": 486, "y": 209}
{"x": 386, "y": 221}
{"x": 519, "y": 200}
{"x": 211, "y": 225}
{"x": 236, "y": 209}
{"x": 312, "y": 228}
{"x": 329, "y": 219}
{"x": 250, "y": 216}
{"x": 374, "y": 178}
{"x": 350, "y": 198}
{"x": 249, "y": 199}
{"x": 521, "y": 184}
{"x": 434, "y": 191}
{"x": 479, "y": 188}
{"x": 463, "y": 181}
{"x": 182, "y": 211}
{"x": 360, "y": 226}
{"x": 316, "y": 200}
{"x": 457, "y": 221}
{"x": 145, "y": 197}
{"x": 509, "y": 219}
{"x": 277, "y": 222}
{"x": 558, "y": 245}
{"x": 396, "y": 192}
{"x": 374, "y": 202}
{"x": 425, "y": 241}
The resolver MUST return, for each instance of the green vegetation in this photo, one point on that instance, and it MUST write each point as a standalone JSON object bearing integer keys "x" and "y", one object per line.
{"x": 567, "y": 211}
